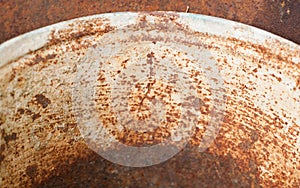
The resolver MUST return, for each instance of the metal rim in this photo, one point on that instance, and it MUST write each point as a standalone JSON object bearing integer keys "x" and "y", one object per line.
{"x": 36, "y": 39}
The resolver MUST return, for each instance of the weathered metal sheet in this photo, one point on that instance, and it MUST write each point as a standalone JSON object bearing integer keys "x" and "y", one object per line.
{"x": 137, "y": 88}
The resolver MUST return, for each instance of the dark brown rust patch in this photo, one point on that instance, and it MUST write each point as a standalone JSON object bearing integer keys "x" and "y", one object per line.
{"x": 21, "y": 111}
{"x": 38, "y": 59}
{"x": 31, "y": 171}
{"x": 10, "y": 137}
{"x": 2, "y": 148}
{"x": 36, "y": 116}
{"x": 42, "y": 100}
{"x": 1, "y": 158}
{"x": 189, "y": 168}
{"x": 2, "y": 118}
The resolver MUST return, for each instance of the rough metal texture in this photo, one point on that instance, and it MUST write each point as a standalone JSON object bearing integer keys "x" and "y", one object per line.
{"x": 277, "y": 16}
{"x": 258, "y": 144}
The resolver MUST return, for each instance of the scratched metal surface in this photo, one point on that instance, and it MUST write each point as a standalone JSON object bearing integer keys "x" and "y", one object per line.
{"x": 258, "y": 141}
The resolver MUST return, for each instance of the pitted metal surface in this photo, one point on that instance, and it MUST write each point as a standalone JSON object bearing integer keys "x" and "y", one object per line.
{"x": 43, "y": 106}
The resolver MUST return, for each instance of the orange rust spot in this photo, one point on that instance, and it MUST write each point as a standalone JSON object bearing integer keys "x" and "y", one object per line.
{"x": 277, "y": 78}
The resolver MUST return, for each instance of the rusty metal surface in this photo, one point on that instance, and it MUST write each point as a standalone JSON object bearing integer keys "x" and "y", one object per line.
{"x": 277, "y": 16}
{"x": 258, "y": 143}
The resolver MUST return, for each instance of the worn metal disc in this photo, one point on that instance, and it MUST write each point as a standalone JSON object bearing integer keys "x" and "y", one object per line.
{"x": 137, "y": 88}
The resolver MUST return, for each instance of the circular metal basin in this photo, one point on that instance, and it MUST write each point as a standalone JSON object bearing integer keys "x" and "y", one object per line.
{"x": 158, "y": 99}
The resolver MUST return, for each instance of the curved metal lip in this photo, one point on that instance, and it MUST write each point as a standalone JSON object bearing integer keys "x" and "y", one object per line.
{"x": 36, "y": 39}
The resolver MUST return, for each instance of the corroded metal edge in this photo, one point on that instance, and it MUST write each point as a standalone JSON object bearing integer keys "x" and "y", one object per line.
{"x": 262, "y": 139}
{"x": 36, "y": 39}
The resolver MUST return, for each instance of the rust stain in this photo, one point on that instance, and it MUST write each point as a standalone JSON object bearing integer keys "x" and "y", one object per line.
{"x": 42, "y": 100}
{"x": 250, "y": 150}
{"x": 31, "y": 171}
{"x": 139, "y": 104}
{"x": 9, "y": 137}
{"x": 2, "y": 118}
{"x": 78, "y": 30}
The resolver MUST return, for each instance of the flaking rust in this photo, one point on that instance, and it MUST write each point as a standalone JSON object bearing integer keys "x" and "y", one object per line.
{"x": 261, "y": 128}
